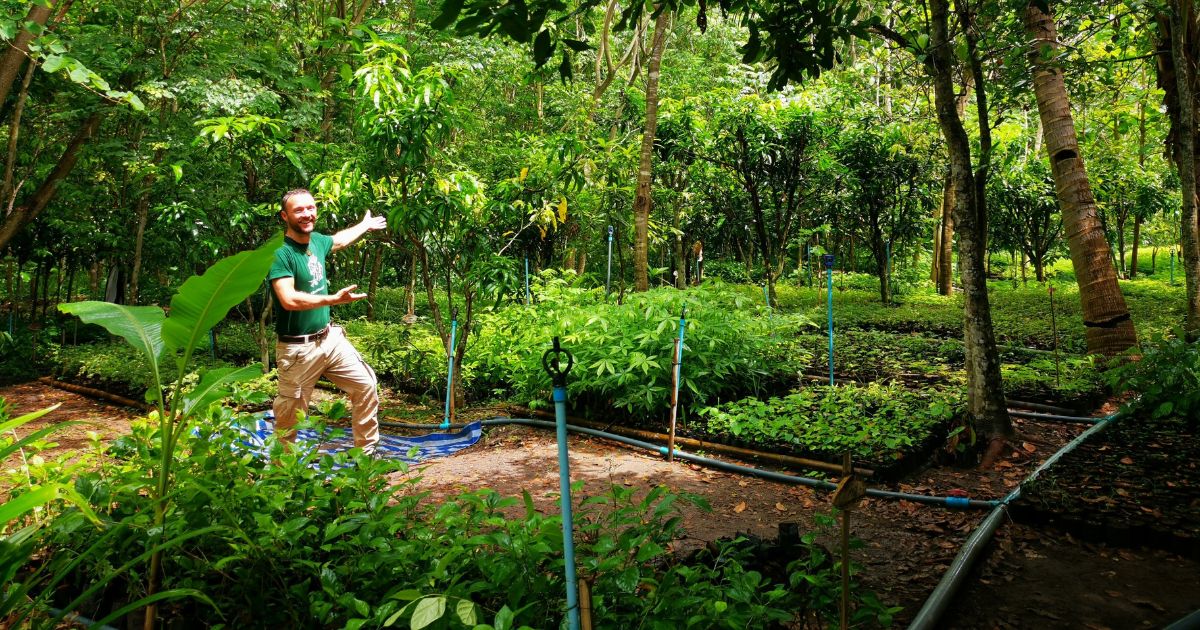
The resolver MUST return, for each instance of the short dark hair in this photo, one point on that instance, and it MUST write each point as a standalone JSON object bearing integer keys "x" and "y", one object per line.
{"x": 288, "y": 195}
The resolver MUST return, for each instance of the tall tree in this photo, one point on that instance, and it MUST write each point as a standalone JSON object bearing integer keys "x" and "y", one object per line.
{"x": 1109, "y": 325}
{"x": 642, "y": 196}
{"x": 1179, "y": 77}
{"x": 985, "y": 389}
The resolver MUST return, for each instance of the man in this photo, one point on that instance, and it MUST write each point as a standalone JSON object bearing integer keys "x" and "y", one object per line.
{"x": 309, "y": 346}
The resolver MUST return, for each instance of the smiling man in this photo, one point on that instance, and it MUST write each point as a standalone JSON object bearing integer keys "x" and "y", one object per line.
{"x": 309, "y": 346}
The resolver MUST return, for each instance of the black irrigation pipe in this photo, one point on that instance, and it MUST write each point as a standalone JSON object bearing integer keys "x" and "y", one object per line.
{"x": 819, "y": 484}
{"x": 1050, "y": 417}
{"x": 939, "y": 600}
{"x": 1025, "y": 404}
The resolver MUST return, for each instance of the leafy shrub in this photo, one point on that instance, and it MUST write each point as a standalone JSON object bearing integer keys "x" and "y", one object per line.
{"x": 876, "y": 422}
{"x": 623, "y": 352}
{"x": 1166, "y": 378}
{"x": 412, "y": 357}
{"x": 294, "y": 546}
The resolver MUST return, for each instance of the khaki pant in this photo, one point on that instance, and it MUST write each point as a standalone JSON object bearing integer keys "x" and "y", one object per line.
{"x": 302, "y": 364}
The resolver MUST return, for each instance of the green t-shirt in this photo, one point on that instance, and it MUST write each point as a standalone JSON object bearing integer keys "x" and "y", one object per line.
{"x": 305, "y": 263}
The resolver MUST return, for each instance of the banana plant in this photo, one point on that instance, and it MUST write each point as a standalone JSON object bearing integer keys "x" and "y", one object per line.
{"x": 201, "y": 303}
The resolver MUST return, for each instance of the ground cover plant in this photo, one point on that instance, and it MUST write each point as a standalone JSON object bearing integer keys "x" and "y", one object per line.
{"x": 877, "y": 423}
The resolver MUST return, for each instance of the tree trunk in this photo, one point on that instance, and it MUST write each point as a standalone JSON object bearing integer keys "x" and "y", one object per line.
{"x": 23, "y": 214}
{"x": 985, "y": 389}
{"x": 1110, "y": 328}
{"x": 1137, "y": 237}
{"x": 376, "y": 265}
{"x": 18, "y": 50}
{"x": 641, "y": 202}
{"x": 945, "y": 274}
{"x": 1178, "y": 78}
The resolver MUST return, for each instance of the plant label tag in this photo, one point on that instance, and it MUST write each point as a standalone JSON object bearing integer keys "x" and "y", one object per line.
{"x": 827, "y": 260}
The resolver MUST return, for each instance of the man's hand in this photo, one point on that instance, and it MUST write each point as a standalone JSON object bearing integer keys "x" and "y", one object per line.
{"x": 346, "y": 295}
{"x": 372, "y": 223}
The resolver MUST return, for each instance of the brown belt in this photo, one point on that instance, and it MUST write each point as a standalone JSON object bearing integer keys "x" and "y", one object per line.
{"x": 317, "y": 336}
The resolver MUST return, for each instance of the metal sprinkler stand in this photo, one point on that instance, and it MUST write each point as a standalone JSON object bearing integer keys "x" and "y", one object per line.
{"x": 552, "y": 363}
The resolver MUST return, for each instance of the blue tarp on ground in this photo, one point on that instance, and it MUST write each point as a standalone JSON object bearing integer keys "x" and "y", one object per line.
{"x": 410, "y": 449}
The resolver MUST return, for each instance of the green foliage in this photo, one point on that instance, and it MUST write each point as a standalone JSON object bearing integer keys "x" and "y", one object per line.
{"x": 623, "y": 352}
{"x": 1166, "y": 378}
{"x": 353, "y": 548}
{"x": 876, "y": 422}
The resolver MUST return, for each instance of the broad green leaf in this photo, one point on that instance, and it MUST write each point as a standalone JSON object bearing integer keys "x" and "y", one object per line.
{"x": 204, "y": 300}
{"x": 427, "y": 611}
{"x": 465, "y": 610}
{"x": 141, "y": 326}
{"x": 52, "y": 63}
{"x": 214, "y": 385}
{"x": 177, "y": 168}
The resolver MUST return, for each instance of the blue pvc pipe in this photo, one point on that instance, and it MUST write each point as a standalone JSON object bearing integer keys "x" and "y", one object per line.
{"x": 608, "y": 279}
{"x": 564, "y": 484}
{"x": 829, "y": 289}
{"x": 450, "y": 373}
{"x": 766, "y": 293}
{"x": 212, "y": 343}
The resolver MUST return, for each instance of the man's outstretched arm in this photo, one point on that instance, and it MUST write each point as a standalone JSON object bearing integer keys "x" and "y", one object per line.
{"x": 369, "y": 223}
{"x": 293, "y": 300}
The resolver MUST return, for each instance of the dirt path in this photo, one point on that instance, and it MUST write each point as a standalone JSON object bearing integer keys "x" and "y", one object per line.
{"x": 1031, "y": 579}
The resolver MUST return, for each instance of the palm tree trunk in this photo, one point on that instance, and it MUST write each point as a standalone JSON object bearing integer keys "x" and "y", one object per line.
{"x": 1109, "y": 325}
{"x": 641, "y": 202}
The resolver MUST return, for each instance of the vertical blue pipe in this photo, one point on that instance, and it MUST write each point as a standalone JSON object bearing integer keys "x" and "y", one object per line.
{"x": 766, "y": 293}
{"x": 552, "y": 363}
{"x": 829, "y": 286}
{"x": 564, "y": 486}
{"x": 212, "y": 343}
{"x": 608, "y": 279}
{"x": 527, "y": 300}
{"x": 450, "y": 370}
{"x": 678, "y": 367}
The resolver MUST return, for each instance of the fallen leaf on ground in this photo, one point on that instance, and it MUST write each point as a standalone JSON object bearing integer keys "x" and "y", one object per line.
{"x": 1113, "y": 594}
{"x": 743, "y": 484}
{"x": 739, "y": 508}
{"x": 781, "y": 507}
{"x": 1126, "y": 460}
{"x": 1029, "y": 448}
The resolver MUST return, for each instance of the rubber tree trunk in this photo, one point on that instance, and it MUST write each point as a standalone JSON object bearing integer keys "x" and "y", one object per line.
{"x": 1178, "y": 78}
{"x": 642, "y": 199}
{"x": 985, "y": 388}
{"x": 1110, "y": 328}
{"x": 18, "y": 50}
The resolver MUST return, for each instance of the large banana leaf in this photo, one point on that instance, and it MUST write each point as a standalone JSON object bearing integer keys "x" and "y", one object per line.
{"x": 214, "y": 385}
{"x": 204, "y": 300}
{"x": 141, "y": 326}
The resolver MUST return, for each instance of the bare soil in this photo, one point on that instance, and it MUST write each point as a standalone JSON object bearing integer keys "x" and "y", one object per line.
{"x": 1031, "y": 578}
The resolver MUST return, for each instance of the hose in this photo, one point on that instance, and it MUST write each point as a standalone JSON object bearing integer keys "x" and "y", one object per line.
{"x": 819, "y": 484}
{"x": 943, "y": 594}
{"x": 1051, "y": 417}
{"x": 1190, "y": 622}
